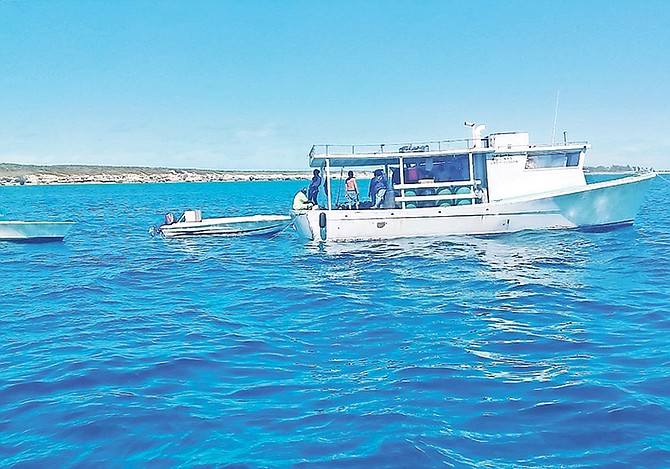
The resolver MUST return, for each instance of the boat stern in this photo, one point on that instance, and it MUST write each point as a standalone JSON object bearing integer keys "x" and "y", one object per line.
{"x": 303, "y": 224}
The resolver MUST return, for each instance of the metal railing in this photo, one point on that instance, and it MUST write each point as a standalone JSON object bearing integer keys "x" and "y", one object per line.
{"x": 437, "y": 193}
{"x": 392, "y": 148}
{"x": 409, "y": 148}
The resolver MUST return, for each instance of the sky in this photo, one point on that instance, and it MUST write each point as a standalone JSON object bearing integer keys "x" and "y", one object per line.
{"x": 253, "y": 84}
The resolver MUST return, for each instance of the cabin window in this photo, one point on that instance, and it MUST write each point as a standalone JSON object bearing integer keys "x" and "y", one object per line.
{"x": 573, "y": 159}
{"x": 552, "y": 160}
{"x": 440, "y": 169}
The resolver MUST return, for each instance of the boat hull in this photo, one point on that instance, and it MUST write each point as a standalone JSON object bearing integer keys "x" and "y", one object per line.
{"x": 257, "y": 225}
{"x": 24, "y": 231}
{"x": 603, "y": 204}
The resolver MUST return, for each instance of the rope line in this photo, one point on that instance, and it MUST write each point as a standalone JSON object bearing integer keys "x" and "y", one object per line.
{"x": 339, "y": 188}
{"x": 284, "y": 229}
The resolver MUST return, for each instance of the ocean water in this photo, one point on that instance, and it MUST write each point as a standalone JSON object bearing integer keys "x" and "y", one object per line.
{"x": 543, "y": 349}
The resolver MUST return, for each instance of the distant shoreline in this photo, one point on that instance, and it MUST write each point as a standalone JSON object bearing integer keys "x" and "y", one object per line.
{"x": 12, "y": 174}
{"x": 18, "y": 174}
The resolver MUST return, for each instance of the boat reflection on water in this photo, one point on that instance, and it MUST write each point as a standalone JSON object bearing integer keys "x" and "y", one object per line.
{"x": 549, "y": 258}
{"x": 552, "y": 259}
{"x": 501, "y": 299}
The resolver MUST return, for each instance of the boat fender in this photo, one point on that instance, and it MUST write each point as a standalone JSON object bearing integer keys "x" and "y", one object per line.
{"x": 169, "y": 218}
{"x": 322, "y": 225}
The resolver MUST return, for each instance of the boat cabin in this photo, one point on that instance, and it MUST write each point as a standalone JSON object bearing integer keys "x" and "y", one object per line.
{"x": 497, "y": 167}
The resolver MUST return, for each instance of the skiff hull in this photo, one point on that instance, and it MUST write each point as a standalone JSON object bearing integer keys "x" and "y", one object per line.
{"x": 24, "y": 231}
{"x": 257, "y": 225}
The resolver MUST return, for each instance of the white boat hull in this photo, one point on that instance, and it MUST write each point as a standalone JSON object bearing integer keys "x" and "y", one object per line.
{"x": 230, "y": 226}
{"x": 601, "y": 204}
{"x": 33, "y": 231}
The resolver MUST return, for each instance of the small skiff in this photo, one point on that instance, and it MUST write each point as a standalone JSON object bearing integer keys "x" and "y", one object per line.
{"x": 33, "y": 231}
{"x": 191, "y": 223}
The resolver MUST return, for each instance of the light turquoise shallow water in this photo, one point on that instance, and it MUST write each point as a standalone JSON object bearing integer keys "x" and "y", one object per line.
{"x": 546, "y": 349}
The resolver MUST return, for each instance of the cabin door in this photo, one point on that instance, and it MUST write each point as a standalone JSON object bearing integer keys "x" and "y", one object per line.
{"x": 479, "y": 168}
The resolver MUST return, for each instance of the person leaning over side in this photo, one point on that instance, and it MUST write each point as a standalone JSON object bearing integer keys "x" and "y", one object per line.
{"x": 301, "y": 202}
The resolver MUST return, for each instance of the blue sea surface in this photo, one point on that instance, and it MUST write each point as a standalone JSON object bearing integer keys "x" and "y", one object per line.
{"x": 536, "y": 349}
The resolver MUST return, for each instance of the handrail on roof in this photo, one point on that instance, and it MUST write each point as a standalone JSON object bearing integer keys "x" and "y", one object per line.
{"x": 418, "y": 149}
{"x": 375, "y": 149}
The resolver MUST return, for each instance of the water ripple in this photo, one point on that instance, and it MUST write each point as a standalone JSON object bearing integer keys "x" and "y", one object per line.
{"x": 529, "y": 350}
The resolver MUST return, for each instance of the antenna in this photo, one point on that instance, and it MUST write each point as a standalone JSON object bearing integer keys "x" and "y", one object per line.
{"x": 553, "y": 132}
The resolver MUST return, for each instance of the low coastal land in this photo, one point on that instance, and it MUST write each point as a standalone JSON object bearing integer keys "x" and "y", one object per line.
{"x": 12, "y": 174}
{"x": 18, "y": 174}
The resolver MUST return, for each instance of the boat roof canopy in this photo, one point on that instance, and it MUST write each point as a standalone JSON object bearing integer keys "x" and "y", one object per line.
{"x": 380, "y": 159}
{"x": 359, "y": 157}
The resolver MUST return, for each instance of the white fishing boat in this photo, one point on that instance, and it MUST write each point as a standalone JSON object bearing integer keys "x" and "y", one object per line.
{"x": 191, "y": 223}
{"x": 499, "y": 183}
{"x": 33, "y": 231}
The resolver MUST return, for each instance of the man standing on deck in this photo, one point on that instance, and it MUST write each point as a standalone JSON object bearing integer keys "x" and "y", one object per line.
{"x": 378, "y": 188}
{"x": 313, "y": 191}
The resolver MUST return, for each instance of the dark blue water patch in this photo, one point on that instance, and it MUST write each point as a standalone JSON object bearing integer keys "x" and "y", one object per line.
{"x": 544, "y": 349}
